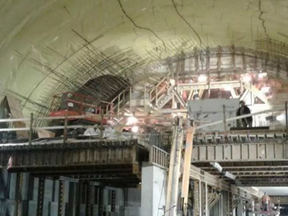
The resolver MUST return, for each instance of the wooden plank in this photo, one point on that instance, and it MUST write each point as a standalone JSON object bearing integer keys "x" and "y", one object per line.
{"x": 187, "y": 166}
{"x": 16, "y": 112}
{"x": 174, "y": 169}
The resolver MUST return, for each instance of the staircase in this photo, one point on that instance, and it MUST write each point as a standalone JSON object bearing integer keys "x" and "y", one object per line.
{"x": 165, "y": 98}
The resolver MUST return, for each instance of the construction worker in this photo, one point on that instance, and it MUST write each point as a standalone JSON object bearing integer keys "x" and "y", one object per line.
{"x": 244, "y": 110}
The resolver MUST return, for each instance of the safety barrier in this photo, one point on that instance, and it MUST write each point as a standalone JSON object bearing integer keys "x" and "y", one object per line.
{"x": 158, "y": 157}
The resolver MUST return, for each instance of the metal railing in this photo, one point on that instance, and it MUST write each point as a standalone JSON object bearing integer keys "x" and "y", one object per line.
{"x": 159, "y": 89}
{"x": 158, "y": 157}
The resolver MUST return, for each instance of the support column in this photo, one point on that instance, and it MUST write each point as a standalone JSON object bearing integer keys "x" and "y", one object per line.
{"x": 60, "y": 197}
{"x": 40, "y": 198}
{"x": 196, "y": 207}
{"x": 253, "y": 207}
{"x": 153, "y": 191}
{"x": 71, "y": 195}
{"x": 230, "y": 204}
{"x": 221, "y": 205}
{"x": 18, "y": 197}
{"x": 240, "y": 211}
{"x": 206, "y": 206}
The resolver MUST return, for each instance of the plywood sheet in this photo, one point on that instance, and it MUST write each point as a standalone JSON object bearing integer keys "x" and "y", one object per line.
{"x": 16, "y": 112}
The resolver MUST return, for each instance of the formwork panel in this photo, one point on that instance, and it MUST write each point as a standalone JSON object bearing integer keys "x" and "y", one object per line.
{"x": 244, "y": 152}
{"x": 211, "y": 155}
{"x": 239, "y": 152}
{"x": 219, "y": 153}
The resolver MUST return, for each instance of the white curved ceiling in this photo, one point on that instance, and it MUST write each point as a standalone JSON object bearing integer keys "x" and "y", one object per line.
{"x": 52, "y": 31}
{"x": 274, "y": 191}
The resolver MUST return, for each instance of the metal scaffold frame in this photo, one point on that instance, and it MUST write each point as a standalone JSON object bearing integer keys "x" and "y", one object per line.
{"x": 175, "y": 180}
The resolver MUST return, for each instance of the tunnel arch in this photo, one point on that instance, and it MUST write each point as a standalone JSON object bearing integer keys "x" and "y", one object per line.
{"x": 214, "y": 61}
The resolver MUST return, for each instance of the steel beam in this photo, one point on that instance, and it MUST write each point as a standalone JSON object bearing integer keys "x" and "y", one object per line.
{"x": 216, "y": 182}
{"x": 212, "y": 85}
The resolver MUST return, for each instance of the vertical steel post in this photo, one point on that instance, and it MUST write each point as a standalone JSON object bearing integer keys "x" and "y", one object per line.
{"x": 88, "y": 199}
{"x": 100, "y": 201}
{"x": 113, "y": 201}
{"x": 145, "y": 97}
{"x": 28, "y": 194}
{"x": 71, "y": 198}
{"x": 18, "y": 207}
{"x": 40, "y": 201}
{"x": 224, "y": 120}
{"x": 156, "y": 95}
{"x": 52, "y": 199}
{"x": 60, "y": 197}
{"x": 31, "y": 129}
{"x": 65, "y": 129}
{"x": 200, "y": 193}
{"x": 196, "y": 208}
{"x": 130, "y": 98}
{"x": 206, "y": 200}
{"x": 101, "y": 129}
{"x": 286, "y": 119}
{"x": 77, "y": 198}
{"x": 118, "y": 103}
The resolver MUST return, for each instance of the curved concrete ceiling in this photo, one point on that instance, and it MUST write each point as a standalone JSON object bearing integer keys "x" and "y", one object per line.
{"x": 274, "y": 191}
{"x": 46, "y": 42}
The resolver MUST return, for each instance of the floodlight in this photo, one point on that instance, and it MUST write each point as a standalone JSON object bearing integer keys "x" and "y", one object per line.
{"x": 131, "y": 120}
{"x": 135, "y": 129}
{"x": 280, "y": 117}
{"x": 217, "y": 166}
{"x": 261, "y": 74}
{"x": 247, "y": 78}
{"x": 172, "y": 81}
{"x": 265, "y": 89}
{"x": 229, "y": 175}
{"x": 202, "y": 78}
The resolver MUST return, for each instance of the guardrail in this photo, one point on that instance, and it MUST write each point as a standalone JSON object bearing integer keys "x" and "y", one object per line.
{"x": 65, "y": 119}
{"x": 158, "y": 157}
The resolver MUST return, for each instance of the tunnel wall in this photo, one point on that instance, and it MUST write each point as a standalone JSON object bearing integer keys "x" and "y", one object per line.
{"x": 72, "y": 196}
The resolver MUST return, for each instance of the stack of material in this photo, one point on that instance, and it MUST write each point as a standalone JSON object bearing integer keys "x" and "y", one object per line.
{"x": 108, "y": 133}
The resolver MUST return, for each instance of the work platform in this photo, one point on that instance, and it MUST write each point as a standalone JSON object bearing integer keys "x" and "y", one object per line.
{"x": 256, "y": 158}
{"x": 117, "y": 163}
